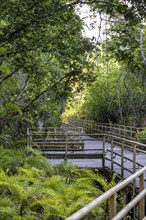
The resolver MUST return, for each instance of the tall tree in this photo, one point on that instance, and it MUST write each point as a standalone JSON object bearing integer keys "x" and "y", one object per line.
{"x": 125, "y": 43}
{"x": 42, "y": 54}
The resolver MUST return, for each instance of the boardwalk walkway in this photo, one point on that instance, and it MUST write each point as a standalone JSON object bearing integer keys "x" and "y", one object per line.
{"x": 91, "y": 145}
{"x": 99, "y": 147}
{"x": 100, "y": 150}
{"x": 94, "y": 145}
{"x": 96, "y": 163}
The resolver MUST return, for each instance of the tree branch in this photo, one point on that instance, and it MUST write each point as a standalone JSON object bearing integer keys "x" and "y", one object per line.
{"x": 25, "y": 109}
{"x": 40, "y": 18}
{"x": 24, "y": 87}
{"x": 8, "y": 76}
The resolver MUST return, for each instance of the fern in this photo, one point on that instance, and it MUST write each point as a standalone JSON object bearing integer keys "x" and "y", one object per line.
{"x": 56, "y": 183}
{"x": 34, "y": 189}
{"x": 6, "y": 208}
{"x": 37, "y": 160}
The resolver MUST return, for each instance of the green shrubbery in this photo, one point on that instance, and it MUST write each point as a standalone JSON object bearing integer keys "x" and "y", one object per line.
{"x": 141, "y": 136}
{"x": 31, "y": 188}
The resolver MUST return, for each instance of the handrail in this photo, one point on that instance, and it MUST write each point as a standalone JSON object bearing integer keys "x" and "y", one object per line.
{"x": 122, "y": 126}
{"x": 125, "y": 140}
{"x": 109, "y": 194}
{"x": 130, "y": 205}
{"x": 56, "y": 129}
{"x": 97, "y": 134}
{"x": 135, "y": 148}
{"x": 130, "y": 144}
{"x": 104, "y": 123}
{"x": 120, "y": 130}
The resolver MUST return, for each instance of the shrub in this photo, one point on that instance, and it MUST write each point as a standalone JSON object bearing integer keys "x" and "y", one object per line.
{"x": 141, "y": 136}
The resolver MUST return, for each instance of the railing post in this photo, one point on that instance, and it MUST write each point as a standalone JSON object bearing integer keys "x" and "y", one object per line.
{"x": 110, "y": 195}
{"x": 112, "y": 130}
{"x": 119, "y": 131}
{"x": 98, "y": 128}
{"x": 124, "y": 132}
{"x": 65, "y": 147}
{"x": 102, "y": 128}
{"x": 142, "y": 201}
{"x": 134, "y": 167}
{"x": 134, "y": 170}
{"x": 103, "y": 159}
{"x": 115, "y": 131}
{"x": 106, "y": 128}
{"x": 112, "y": 165}
{"x": 122, "y": 159}
{"x": 112, "y": 206}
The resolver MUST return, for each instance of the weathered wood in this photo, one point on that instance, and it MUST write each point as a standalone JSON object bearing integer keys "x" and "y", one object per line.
{"x": 123, "y": 131}
{"x": 50, "y": 139}
{"x": 119, "y": 155}
{"x": 112, "y": 206}
{"x": 72, "y": 155}
{"x": 111, "y": 196}
{"x": 55, "y": 145}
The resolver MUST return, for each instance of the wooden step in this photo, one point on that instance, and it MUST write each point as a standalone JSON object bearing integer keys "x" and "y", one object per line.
{"x": 56, "y": 146}
{"x": 72, "y": 155}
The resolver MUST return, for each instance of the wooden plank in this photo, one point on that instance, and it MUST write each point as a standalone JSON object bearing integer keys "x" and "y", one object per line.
{"x": 69, "y": 155}
{"x": 55, "y": 146}
{"x": 61, "y": 143}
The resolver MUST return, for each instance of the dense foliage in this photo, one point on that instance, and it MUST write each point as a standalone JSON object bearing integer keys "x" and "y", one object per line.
{"x": 118, "y": 94}
{"x": 43, "y": 58}
{"x": 42, "y": 55}
{"x": 141, "y": 136}
{"x": 31, "y": 188}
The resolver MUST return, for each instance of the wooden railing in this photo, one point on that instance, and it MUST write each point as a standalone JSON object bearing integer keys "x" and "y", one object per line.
{"x": 110, "y": 195}
{"x": 123, "y": 131}
{"x": 47, "y": 141}
{"x": 109, "y": 155}
{"x": 66, "y": 128}
{"x": 69, "y": 128}
{"x": 54, "y": 138}
{"x": 134, "y": 147}
{"x": 62, "y": 143}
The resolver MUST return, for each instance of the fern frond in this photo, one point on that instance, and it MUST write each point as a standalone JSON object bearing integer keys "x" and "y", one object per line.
{"x": 32, "y": 173}
{"x": 7, "y": 208}
{"x": 114, "y": 176}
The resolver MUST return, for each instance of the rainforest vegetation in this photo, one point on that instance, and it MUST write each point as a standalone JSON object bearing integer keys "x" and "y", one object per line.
{"x": 46, "y": 61}
{"x": 50, "y": 70}
{"x": 31, "y": 188}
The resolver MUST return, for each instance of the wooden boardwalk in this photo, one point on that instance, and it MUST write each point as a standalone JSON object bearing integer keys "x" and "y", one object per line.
{"x": 95, "y": 145}
{"x": 98, "y": 151}
{"x": 90, "y": 146}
